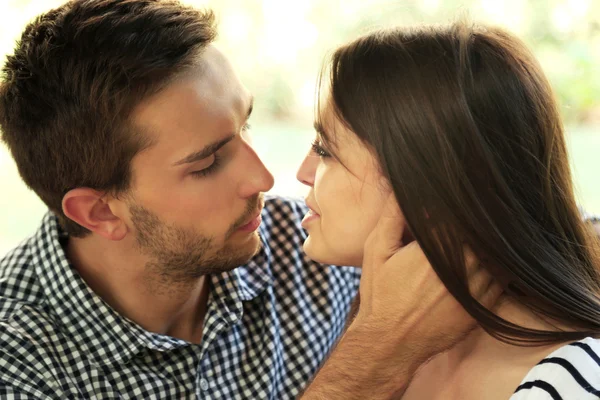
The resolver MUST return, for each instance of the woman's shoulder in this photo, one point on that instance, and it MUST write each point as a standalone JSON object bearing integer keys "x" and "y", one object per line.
{"x": 570, "y": 372}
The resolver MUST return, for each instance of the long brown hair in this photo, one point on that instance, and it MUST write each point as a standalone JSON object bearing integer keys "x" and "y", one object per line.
{"x": 466, "y": 129}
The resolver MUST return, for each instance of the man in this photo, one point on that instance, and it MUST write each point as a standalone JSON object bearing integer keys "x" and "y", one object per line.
{"x": 161, "y": 271}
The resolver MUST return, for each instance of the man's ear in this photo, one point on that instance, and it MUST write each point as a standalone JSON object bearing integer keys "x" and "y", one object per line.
{"x": 90, "y": 209}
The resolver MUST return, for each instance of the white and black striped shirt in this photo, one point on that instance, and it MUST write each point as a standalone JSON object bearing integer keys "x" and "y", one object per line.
{"x": 570, "y": 373}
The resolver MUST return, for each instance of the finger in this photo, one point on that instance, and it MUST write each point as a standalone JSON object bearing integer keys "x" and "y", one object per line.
{"x": 479, "y": 282}
{"x": 485, "y": 289}
{"x": 472, "y": 264}
{"x": 385, "y": 239}
{"x": 492, "y": 295}
{"x": 409, "y": 257}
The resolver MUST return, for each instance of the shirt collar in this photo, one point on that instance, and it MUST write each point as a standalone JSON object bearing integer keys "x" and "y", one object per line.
{"x": 252, "y": 279}
{"x": 243, "y": 283}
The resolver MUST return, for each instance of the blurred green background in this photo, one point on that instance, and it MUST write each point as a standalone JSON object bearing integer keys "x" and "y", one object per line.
{"x": 278, "y": 47}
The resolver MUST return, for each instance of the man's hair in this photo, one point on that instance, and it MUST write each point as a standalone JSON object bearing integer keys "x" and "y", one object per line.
{"x": 76, "y": 74}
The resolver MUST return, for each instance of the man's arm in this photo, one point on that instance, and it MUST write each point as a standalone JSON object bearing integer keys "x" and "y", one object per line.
{"x": 379, "y": 354}
{"x": 363, "y": 366}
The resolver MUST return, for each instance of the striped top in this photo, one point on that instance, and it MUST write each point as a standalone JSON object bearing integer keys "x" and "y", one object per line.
{"x": 571, "y": 373}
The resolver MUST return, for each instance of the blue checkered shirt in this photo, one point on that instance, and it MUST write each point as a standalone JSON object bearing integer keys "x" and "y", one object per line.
{"x": 268, "y": 327}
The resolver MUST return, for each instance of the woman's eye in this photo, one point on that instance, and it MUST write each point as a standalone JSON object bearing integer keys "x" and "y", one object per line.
{"x": 319, "y": 150}
{"x": 212, "y": 168}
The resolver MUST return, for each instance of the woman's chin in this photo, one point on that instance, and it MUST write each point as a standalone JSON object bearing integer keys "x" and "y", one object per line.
{"x": 311, "y": 252}
{"x": 319, "y": 253}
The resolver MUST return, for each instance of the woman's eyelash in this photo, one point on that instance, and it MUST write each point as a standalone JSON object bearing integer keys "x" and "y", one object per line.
{"x": 210, "y": 169}
{"x": 247, "y": 126}
{"x": 319, "y": 150}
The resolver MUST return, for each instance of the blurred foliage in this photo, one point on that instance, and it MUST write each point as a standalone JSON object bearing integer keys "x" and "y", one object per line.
{"x": 279, "y": 46}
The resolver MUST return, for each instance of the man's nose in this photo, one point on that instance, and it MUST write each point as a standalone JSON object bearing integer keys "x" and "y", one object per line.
{"x": 258, "y": 179}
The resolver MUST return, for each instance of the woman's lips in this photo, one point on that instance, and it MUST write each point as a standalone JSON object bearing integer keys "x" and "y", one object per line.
{"x": 310, "y": 216}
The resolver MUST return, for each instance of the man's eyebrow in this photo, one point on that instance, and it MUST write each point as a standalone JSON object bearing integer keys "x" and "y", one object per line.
{"x": 213, "y": 147}
{"x": 205, "y": 152}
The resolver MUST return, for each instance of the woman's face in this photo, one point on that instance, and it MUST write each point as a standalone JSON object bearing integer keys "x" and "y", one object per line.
{"x": 346, "y": 197}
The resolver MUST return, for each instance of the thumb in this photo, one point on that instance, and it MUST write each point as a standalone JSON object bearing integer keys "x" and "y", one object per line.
{"x": 386, "y": 238}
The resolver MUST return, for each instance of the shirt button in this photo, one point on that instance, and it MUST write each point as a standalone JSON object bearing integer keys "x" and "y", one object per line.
{"x": 203, "y": 384}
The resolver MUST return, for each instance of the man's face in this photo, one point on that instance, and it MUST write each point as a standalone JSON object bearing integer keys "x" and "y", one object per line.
{"x": 196, "y": 192}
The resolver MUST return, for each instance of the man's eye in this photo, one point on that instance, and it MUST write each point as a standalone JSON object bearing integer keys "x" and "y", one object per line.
{"x": 212, "y": 168}
{"x": 319, "y": 150}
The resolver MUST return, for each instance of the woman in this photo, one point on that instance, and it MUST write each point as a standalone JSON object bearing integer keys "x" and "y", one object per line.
{"x": 461, "y": 125}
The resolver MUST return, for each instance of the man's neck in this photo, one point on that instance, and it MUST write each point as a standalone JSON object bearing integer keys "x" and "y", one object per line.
{"x": 116, "y": 272}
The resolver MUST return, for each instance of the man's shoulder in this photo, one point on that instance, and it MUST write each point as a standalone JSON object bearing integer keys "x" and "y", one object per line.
{"x": 27, "y": 336}
{"x": 26, "y": 324}
{"x": 26, "y": 327}
{"x": 19, "y": 255}
{"x": 285, "y": 236}
{"x": 18, "y": 278}
{"x": 30, "y": 336}
{"x": 282, "y": 222}
{"x": 283, "y": 207}
{"x": 282, "y": 218}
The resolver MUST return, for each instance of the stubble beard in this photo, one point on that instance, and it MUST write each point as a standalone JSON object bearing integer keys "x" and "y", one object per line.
{"x": 180, "y": 256}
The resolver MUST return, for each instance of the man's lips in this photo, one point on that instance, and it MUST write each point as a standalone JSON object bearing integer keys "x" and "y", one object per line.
{"x": 253, "y": 222}
{"x": 252, "y": 225}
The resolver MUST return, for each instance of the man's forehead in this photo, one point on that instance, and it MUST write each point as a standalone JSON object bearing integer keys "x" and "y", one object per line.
{"x": 206, "y": 95}
{"x": 213, "y": 66}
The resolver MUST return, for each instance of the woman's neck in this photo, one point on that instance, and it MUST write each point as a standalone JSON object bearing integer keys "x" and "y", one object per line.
{"x": 482, "y": 366}
{"x": 481, "y": 344}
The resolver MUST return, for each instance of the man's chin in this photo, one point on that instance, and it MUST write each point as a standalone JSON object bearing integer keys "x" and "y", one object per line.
{"x": 242, "y": 253}
{"x": 254, "y": 246}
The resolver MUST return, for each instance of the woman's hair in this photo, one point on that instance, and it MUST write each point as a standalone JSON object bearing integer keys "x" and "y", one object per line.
{"x": 466, "y": 129}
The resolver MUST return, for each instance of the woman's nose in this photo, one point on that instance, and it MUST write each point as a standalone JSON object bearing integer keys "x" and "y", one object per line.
{"x": 307, "y": 170}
